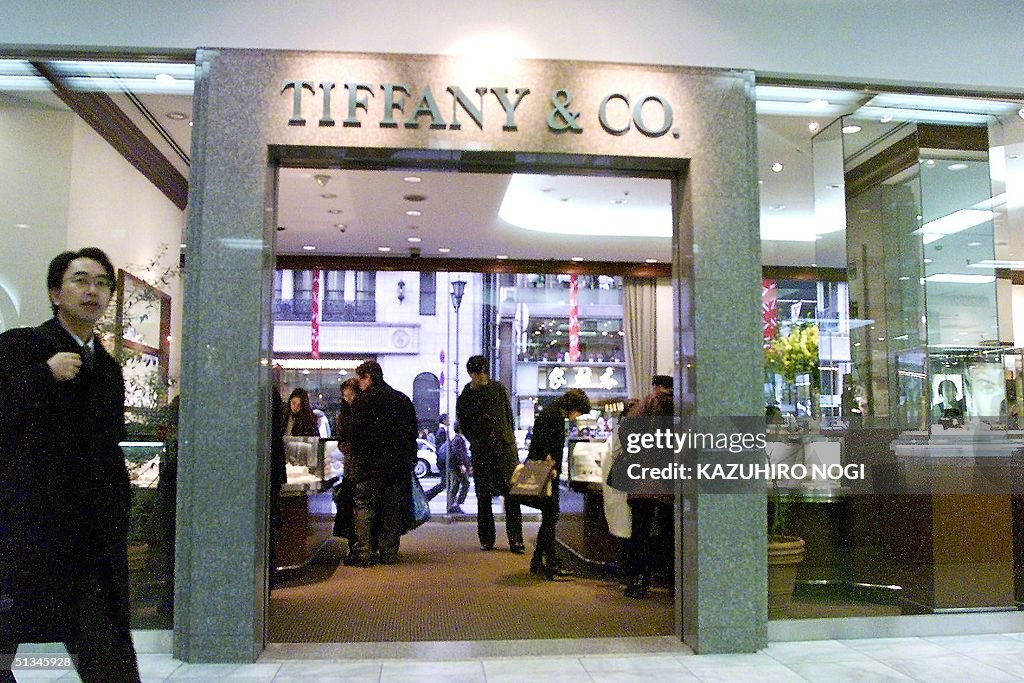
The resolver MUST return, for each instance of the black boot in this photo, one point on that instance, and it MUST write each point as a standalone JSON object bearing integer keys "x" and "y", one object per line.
{"x": 637, "y": 587}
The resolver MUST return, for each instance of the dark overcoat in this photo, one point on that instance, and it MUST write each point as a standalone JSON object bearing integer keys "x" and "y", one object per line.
{"x": 64, "y": 489}
{"x": 383, "y": 434}
{"x": 485, "y": 418}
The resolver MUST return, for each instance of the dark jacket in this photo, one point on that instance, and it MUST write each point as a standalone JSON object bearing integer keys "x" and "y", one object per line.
{"x": 384, "y": 433}
{"x": 548, "y": 436}
{"x": 458, "y": 454}
{"x": 303, "y": 423}
{"x": 64, "y": 489}
{"x": 485, "y": 417}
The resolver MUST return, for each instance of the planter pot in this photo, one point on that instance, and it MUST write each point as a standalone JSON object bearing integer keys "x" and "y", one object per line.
{"x": 784, "y": 554}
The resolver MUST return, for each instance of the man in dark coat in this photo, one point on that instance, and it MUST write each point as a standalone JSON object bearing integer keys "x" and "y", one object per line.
{"x": 484, "y": 411}
{"x": 384, "y": 454}
{"x": 64, "y": 489}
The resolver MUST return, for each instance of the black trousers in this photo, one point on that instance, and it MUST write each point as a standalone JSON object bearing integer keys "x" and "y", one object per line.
{"x": 379, "y": 505}
{"x": 546, "y": 534}
{"x": 105, "y": 651}
{"x": 644, "y": 552}
{"x": 459, "y": 489}
{"x": 485, "y": 521}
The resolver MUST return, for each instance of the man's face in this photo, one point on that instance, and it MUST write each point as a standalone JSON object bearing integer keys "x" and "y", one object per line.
{"x": 348, "y": 395}
{"x": 364, "y": 382}
{"x": 84, "y": 292}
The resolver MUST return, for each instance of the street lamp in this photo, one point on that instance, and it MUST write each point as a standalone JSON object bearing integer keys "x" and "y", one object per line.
{"x": 458, "y": 289}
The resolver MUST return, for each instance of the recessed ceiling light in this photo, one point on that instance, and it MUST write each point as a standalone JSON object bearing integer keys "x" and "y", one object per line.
{"x": 760, "y": 182}
{"x": 818, "y": 103}
{"x": 340, "y": 225}
{"x": 328, "y": 195}
{"x": 384, "y": 249}
{"x": 650, "y": 260}
{"x": 927, "y": 260}
{"x": 443, "y": 250}
{"x": 501, "y": 257}
{"x": 335, "y": 211}
{"x": 414, "y": 240}
{"x": 577, "y": 258}
{"x": 413, "y": 179}
{"x": 777, "y": 167}
{"x": 309, "y": 247}
{"x": 776, "y": 207}
{"x": 974, "y": 244}
{"x": 904, "y": 278}
{"x": 21, "y": 225}
{"x": 886, "y": 119}
{"x": 165, "y": 79}
{"x": 814, "y": 265}
{"x": 957, "y": 167}
{"x": 413, "y": 212}
{"x": 813, "y": 126}
{"x": 851, "y": 129}
{"x": 1020, "y": 112}
{"x": 322, "y": 179}
{"x": 929, "y": 162}
{"x": 176, "y": 115}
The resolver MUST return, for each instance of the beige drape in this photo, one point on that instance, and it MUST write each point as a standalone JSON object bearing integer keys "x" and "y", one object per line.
{"x": 638, "y": 323}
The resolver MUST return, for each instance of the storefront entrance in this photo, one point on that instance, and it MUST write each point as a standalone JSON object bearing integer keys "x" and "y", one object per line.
{"x": 258, "y": 111}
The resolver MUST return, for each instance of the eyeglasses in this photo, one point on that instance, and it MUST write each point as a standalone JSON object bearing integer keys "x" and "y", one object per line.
{"x": 85, "y": 282}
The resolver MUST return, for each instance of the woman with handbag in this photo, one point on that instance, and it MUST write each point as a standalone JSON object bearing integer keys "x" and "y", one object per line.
{"x": 549, "y": 431}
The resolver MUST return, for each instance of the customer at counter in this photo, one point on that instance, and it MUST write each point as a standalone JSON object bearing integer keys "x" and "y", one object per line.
{"x": 548, "y": 440}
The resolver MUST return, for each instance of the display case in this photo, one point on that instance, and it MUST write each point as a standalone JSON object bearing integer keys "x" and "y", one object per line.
{"x": 959, "y": 389}
{"x": 304, "y": 461}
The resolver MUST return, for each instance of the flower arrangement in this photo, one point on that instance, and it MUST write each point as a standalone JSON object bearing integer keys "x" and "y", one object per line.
{"x": 794, "y": 354}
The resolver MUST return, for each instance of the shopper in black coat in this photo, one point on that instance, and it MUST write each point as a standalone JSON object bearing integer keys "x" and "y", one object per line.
{"x": 64, "y": 489}
{"x": 384, "y": 454}
{"x": 547, "y": 442}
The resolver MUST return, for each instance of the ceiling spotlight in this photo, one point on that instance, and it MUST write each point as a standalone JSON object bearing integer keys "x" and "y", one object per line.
{"x": 328, "y": 195}
{"x": 414, "y": 240}
{"x": 309, "y": 247}
{"x": 340, "y": 225}
{"x": 818, "y": 103}
{"x": 777, "y": 167}
{"x": 650, "y": 260}
{"x": 443, "y": 250}
{"x": 957, "y": 167}
{"x": 384, "y": 249}
{"x": 322, "y": 179}
{"x": 21, "y": 225}
{"x": 577, "y": 259}
{"x": 886, "y": 119}
{"x": 413, "y": 212}
{"x": 813, "y": 126}
{"x": 412, "y": 179}
{"x": 165, "y": 79}
{"x": 851, "y": 129}
{"x": 929, "y": 162}
{"x": 176, "y": 115}
{"x": 501, "y": 257}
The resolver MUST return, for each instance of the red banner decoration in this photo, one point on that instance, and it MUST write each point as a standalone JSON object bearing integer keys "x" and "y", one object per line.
{"x": 769, "y": 309}
{"x": 574, "y": 318}
{"x": 314, "y": 317}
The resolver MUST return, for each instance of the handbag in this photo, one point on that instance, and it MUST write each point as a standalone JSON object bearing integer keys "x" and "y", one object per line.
{"x": 419, "y": 507}
{"x": 531, "y": 483}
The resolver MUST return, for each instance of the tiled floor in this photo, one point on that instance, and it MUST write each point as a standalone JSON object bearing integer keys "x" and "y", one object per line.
{"x": 946, "y": 658}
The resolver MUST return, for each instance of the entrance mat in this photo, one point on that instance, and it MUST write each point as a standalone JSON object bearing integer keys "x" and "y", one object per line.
{"x": 445, "y": 588}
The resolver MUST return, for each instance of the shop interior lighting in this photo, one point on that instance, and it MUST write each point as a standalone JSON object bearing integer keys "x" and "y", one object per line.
{"x": 526, "y": 205}
{"x": 961, "y": 278}
{"x": 953, "y": 223}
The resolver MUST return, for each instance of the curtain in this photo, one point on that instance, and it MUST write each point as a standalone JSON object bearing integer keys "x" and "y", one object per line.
{"x": 638, "y": 323}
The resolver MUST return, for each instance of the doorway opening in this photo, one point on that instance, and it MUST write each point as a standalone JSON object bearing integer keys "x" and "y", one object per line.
{"x": 420, "y": 265}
